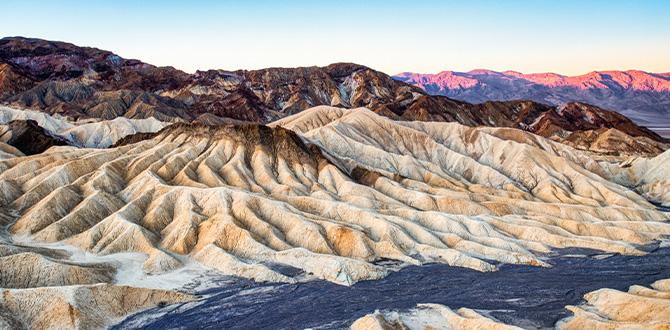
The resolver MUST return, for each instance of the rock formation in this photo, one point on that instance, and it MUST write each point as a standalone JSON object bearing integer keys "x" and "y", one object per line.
{"x": 45, "y": 287}
{"x": 639, "y": 308}
{"x": 360, "y": 188}
{"x": 77, "y": 307}
{"x": 429, "y": 316}
{"x": 353, "y": 169}
{"x": 649, "y": 176}
{"x": 28, "y": 136}
{"x": 34, "y": 132}
{"x": 328, "y": 191}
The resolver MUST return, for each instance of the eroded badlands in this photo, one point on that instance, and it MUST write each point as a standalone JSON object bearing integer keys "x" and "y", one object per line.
{"x": 88, "y": 134}
{"x": 327, "y": 191}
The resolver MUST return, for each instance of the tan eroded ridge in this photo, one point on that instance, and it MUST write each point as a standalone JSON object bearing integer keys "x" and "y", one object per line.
{"x": 330, "y": 192}
{"x": 639, "y": 308}
{"x": 44, "y": 288}
{"x": 429, "y": 316}
{"x": 77, "y": 307}
{"x": 241, "y": 198}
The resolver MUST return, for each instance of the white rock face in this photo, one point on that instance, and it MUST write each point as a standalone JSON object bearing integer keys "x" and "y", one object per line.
{"x": 429, "y": 316}
{"x": 652, "y": 177}
{"x": 639, "y": 308}
{"x": 99, "y": 134}
{"x": 53, "y": 124}
{"x": 350, "y": 188}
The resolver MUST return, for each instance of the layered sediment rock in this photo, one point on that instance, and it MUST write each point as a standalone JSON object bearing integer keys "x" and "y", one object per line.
{"x": 34, "y": 132}
{"x": 28, "y": 136}
{"x": 650, "y": 177}
{"x": 77, "y": 307}
{"x": 429, "y": 316}
{"x": 639, "y": 308}
{"x": 328, "y": 192}
{"x": 351, "y": 189}
{"x": 45, "y": 287}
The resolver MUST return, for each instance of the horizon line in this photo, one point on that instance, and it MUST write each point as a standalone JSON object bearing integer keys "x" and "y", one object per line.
{"x": 344, "y": 62}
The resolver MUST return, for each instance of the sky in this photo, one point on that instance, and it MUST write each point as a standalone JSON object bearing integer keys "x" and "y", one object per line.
{"x": 568, "y": 37}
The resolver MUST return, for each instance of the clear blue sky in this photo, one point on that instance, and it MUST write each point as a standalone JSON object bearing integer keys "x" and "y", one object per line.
{"x": 570, "y": 37}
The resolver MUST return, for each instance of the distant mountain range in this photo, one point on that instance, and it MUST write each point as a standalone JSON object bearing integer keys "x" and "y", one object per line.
{"x": 83, "y": 83}
{"x": 642, "y": 96}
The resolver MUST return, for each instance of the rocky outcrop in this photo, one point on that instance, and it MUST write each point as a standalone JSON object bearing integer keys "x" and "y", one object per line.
{"x": 612, "y": 141}
{"x": 59, "y": 61}
{"x": 13, "y": 80}
{"x": 575, "y": 116}
{"x": 649, "y": 176}
{"x": 639, "y": 308}
{"x": 342, "y": 84}
{"x": 429, "y": 316}
{"x": 77, "y": 307}
{"x": 83, "y": 82}
{"x": 34, "y": 132}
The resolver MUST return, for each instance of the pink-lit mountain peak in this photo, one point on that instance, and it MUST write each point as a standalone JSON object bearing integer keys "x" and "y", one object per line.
{"x": 627, "y": 80}
{"x": 640, "y": 95}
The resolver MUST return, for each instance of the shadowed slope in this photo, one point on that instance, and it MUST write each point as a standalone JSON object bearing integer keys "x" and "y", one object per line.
{"x": 28, "y": 137}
